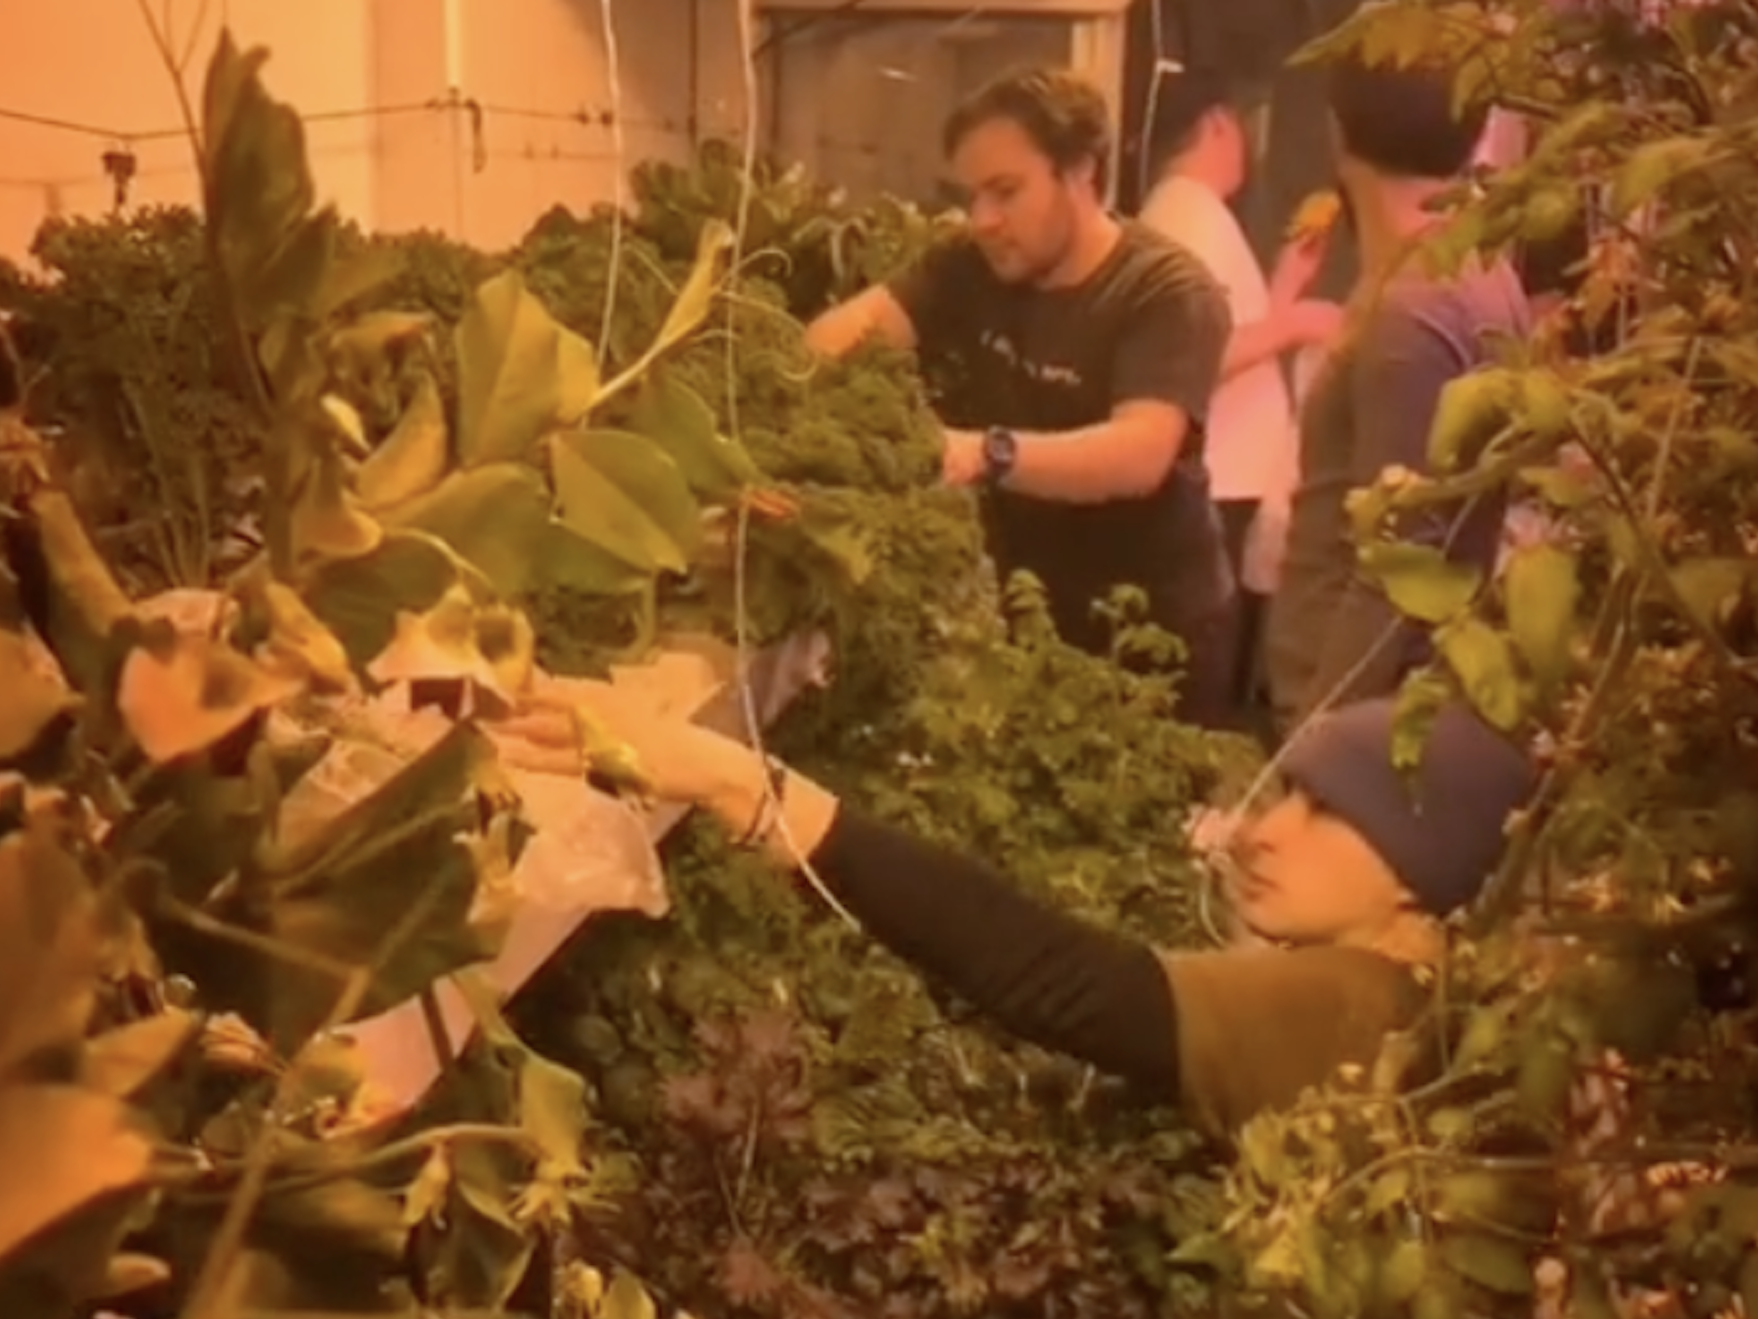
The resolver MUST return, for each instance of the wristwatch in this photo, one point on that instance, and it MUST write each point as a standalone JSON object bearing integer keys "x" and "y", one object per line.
{"x": 1000, "y": 452}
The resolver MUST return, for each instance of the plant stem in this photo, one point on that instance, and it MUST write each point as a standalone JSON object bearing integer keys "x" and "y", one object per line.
{"x": 209, "y": 1290}
{"x": 386, "y": 1156}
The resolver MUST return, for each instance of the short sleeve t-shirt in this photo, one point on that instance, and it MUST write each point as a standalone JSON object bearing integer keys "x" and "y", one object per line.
{"x": 1251, "y": 439}
{"x": 1149, "y": 324}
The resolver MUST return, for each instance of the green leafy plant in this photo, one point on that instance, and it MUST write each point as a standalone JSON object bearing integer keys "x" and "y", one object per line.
{"x": 1582, "y": 1094}
{"x": 741, "y": 1061}
{"x": 188, "y": 1131}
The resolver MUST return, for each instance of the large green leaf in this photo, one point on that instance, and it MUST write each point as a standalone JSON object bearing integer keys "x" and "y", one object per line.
{"x": 577, "y": 384}
{"x": 183, "y": 694}
{"x": 122, "y": 1061}
{"x": 258, "y": 188}
{"x": 1541, "y": 586}
{"x": 678, "y": 419}
{"x": 508, "y": 349}
{"x": 35, "y": 704}
{"x": 49, "y": 951}
{"x": 388, "y": 884}
{"x": 1470, "y": 408}
{"x": 1419, "y": 580}
{"x": 1483, "y": 661}
{"x": 64, "y": 1149}
{"x": 622, "y": 492}
{"x": 327, "y": 520}
{"x": 688, "y": 311}
{"x": 492, "y": 516}
{"x": 359, "y": 599}
{"x": 573, "y": 563}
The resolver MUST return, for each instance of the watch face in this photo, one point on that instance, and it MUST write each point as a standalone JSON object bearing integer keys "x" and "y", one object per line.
{"x": 999, "y": 447}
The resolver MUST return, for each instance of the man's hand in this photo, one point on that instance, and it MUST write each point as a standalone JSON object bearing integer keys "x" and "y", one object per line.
{"x": 1296, "y": 268}
{"x": 961, "y": 458}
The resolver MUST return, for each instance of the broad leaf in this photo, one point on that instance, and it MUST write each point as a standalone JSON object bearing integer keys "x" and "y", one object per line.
{"x": 1708, "y": 587}
{"x": 626, "y": 1298}
{"x": 678, "y": 419}
{"x": 493, "y": 517}
{"x": 1401, "y": 1271}
{"x": 461, "y": 639}
{"x": 1651, "y": 166}
{"x": 1483, "y": 661}
{"x": 413, "y": 457}
{"x": 389, "y": 884}
{"x": 1420, "y": 581}
{"x": 1490, "y": 1262}
{"x": 35, "y": 704}
{"x": 577, "y": 383}
{"x": 49, "y": 950}
{"x": 327, "y": 521}
{"x": 355, "y": 276}
{"x": 258, "y": 190}
{"x": 1471, "y": 408}
{"x": 623, "y": 493}
{"x": 296, "y": 643}
{"x": 182, "y": 695}
{"x": 694, "y": 301}
{"x": 1541, "y": 586}
{"x": 122, "y": 1061}
{"x": 508, "y": 394}
{"x": 63, "y": 1149}
{"x": 572, "y": 562}
{"x": 361, "y": 599}
{"x": 551, "y": 1100}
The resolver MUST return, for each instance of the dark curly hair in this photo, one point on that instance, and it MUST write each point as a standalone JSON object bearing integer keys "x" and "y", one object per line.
{"x": 1064, "y": 115}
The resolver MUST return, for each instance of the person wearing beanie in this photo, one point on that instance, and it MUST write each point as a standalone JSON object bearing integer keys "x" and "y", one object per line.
{"x": 1349, "y": 873}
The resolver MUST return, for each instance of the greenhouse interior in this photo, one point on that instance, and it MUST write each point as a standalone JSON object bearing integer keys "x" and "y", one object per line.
{"x": 879, "y": 659}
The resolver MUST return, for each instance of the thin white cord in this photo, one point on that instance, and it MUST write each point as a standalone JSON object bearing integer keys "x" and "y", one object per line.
{"x": 614, "y": 78}
{"x": 741, "y": 632}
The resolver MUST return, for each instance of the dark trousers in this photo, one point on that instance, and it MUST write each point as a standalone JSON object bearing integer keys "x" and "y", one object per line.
{"x": 1247, "y": 660}
{"x": 1207, "y": 682}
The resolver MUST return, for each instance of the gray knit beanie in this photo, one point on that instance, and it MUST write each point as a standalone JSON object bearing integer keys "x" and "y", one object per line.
{"x": 1439, "y": 827}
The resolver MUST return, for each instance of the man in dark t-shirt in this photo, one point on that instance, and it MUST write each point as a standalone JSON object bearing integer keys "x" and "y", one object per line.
{"x": 1072, "y": 356}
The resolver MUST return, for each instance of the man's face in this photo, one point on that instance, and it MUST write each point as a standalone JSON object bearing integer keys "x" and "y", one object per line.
{"x": 1022, "y": 208}
{"x": 1306, "y": 877}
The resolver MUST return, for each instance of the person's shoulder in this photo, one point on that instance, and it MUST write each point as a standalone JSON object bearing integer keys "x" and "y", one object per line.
{"x": 1177, "y": 205}
{"x": 1295, "y": 969}
{"x": 1156, "y": 266}
{"x": 1479, "y": 298}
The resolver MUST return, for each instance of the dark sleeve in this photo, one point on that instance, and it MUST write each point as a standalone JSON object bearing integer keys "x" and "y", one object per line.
{"x": 1172, "y": 342}
{"x": 1402, "y": 363}
{"x": 1042, "y": 975}
{"x": 937, "y": 289}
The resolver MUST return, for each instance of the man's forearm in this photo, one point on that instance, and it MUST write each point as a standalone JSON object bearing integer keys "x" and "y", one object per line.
{"x": 1091, "y": 465}
{"x": 1250, "y": 345}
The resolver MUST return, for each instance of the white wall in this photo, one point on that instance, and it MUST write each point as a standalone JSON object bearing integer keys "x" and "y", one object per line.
{"x": 375, "y": 79}
{"x": 862, "y": 101}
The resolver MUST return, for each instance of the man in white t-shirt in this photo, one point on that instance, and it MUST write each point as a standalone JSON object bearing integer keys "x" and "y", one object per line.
{"x": 1251, "y": 445}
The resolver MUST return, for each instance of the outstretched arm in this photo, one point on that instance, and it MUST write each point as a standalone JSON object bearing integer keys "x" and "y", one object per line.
{"x": 1043, "y": 975}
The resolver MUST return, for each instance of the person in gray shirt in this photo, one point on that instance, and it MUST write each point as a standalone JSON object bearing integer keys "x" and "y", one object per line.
{"x": 1332, "y": 637}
